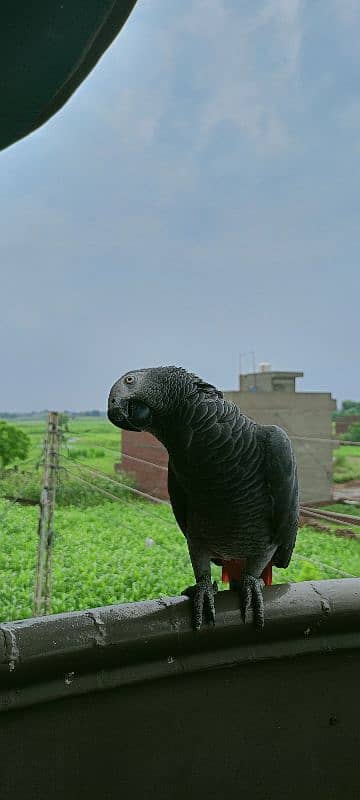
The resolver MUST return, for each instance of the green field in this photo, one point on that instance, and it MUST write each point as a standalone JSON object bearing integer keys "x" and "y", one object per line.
{"x": 346, "y": 463}
{"x": 90, "y": 443}
{"x": 116, "y": 551}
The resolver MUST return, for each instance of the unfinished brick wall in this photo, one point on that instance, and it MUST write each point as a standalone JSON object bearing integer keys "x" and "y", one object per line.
{"x": 342, "y": 425}
{"x": 148, "y": 478}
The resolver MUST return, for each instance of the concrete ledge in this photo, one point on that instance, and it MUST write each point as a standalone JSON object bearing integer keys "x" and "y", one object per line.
{"x": 64, "y": 655}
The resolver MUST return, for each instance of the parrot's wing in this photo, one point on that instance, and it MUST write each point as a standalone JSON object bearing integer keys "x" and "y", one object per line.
{"x": 178, "y": 499}
{"x": 281, "y": 473}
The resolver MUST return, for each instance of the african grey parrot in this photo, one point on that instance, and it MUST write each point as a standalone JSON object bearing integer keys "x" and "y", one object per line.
{"x": 232, "y": 482}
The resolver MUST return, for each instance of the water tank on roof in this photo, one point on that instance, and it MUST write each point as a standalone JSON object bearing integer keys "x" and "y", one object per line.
{"x": 264, "y": 366}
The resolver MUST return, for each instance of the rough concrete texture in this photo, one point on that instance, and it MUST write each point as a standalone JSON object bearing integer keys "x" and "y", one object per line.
{"x": 142, "y": 641}
{"x": 129, "y": 701}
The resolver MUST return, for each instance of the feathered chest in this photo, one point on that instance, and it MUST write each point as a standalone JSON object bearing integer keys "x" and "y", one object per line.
{"x": 223, "y": 467}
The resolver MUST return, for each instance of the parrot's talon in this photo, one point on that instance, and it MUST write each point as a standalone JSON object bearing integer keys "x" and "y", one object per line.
{"x": 203, "y": 605}
{"x": 250, "y": 591}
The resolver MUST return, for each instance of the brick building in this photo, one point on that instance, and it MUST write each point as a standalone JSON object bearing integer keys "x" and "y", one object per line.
{"x": 139, "y": 451}
{"x": 343, "y": 424}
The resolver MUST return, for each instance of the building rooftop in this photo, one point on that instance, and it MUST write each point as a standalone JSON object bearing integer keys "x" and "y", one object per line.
{"x": 274, "y": 373}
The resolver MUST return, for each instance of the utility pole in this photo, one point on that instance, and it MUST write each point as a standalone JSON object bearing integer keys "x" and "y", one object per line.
{"x": 46, "y": 521}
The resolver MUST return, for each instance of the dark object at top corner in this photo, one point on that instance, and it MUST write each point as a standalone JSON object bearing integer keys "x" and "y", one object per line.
{"x": 47, "y": 49}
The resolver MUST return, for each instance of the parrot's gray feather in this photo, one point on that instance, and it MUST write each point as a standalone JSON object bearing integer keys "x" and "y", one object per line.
{"x": 281, "y": 473}
{"x": 177, "y": 499}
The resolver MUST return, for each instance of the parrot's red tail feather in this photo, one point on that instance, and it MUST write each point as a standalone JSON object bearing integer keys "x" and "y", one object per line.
{"x": 267, "y": 574}
{"x": 232, "y": 570}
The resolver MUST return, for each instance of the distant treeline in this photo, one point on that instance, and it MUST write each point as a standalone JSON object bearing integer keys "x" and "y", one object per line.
{"x": 43, "y": 414}
{"x": 349, "y": 408}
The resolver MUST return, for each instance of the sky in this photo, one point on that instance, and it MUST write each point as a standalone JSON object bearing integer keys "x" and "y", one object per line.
{"x": 197, "y": 198}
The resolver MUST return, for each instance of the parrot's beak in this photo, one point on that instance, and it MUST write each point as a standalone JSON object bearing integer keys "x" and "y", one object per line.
{"x": 119, "y": 414}
{"x": 131, "y": 415}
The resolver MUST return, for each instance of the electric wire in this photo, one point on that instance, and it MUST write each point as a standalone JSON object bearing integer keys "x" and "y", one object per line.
{"x": 104, "y": 492}
{"x": 323, "y": 566}
{"x": 134, "y": 506}
{"x": 118, "y": 483}
{"x": 329, "y": 439}
{"x": 295, "y": 555}
{"x": 14, "y": 500}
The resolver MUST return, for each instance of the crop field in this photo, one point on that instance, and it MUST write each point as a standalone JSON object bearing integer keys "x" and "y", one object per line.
{"x": 122, "y": 550}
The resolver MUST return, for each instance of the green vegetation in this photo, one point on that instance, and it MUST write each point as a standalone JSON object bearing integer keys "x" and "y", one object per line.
{"x": 342, "y": 508}
{"x": 353, "y": 434}
{"x": 93, "y": 443}
{"x": 349, "y": 451}
{"x": 346, "y": 464}
{"x": 116, "y": 553}
{"x": 348, "y": 408}
{"x": 109, "y": 551}
{"x": 14, "y": 444}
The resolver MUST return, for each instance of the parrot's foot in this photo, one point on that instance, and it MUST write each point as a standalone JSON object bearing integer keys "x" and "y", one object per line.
{"x": 203, "y": 605}
{"x": 249, "y": 589}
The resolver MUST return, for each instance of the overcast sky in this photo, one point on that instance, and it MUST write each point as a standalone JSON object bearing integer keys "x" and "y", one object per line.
{"x": 197, "y": 197}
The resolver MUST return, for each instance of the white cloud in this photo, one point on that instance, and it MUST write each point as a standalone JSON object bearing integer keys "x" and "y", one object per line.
{"x": 250, "y": 67}
{"x": 244, "y": 69}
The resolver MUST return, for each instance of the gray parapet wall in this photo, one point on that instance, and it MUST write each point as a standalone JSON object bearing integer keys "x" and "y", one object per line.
{"x": 129, "y": 700}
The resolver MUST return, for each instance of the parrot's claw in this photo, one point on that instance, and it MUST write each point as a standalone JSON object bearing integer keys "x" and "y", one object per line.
{"x": 250, "y": 592}
{"x": 203, "y": 604}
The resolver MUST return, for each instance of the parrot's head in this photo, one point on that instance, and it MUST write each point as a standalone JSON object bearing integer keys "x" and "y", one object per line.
{"x": 141, "y": 398}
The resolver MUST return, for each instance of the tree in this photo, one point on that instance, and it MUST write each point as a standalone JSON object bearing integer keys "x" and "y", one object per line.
{"x": 14, "y": 444}
{"x": 350, "y": 407}
{"x": 353, "y": 434}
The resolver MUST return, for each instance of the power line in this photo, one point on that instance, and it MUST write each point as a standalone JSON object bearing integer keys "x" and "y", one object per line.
{"x": 126, "y": 455}
{"x": 120, "y": 454}
{"x": 331, "y": 440}
{"x": 331, "y": 516}
{"x": 305, "y": 438}
{"x": 93, "y": 486}
{"x": 118, "y": 483}
{"x": 323, "y": 566}
{"x": 141, "y": 510}
{"x": 143, "y": 461}
{"x": 18, "y": 497}
{"x": 101, "y": 491}
{"x": 94, "y": 446}
{"x": 295, "y": 555}
{"x": 321, "y": 439}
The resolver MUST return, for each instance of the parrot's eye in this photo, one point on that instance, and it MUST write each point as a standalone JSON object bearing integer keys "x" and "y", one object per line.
{"x": 129, "y": 379}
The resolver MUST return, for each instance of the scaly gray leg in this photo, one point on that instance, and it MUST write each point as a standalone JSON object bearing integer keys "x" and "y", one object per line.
{"x": 203, "y": 592}
{"x": 250, "y": 591}
{"x": 250, "y": 587}
{"x": 203, "y": 605}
